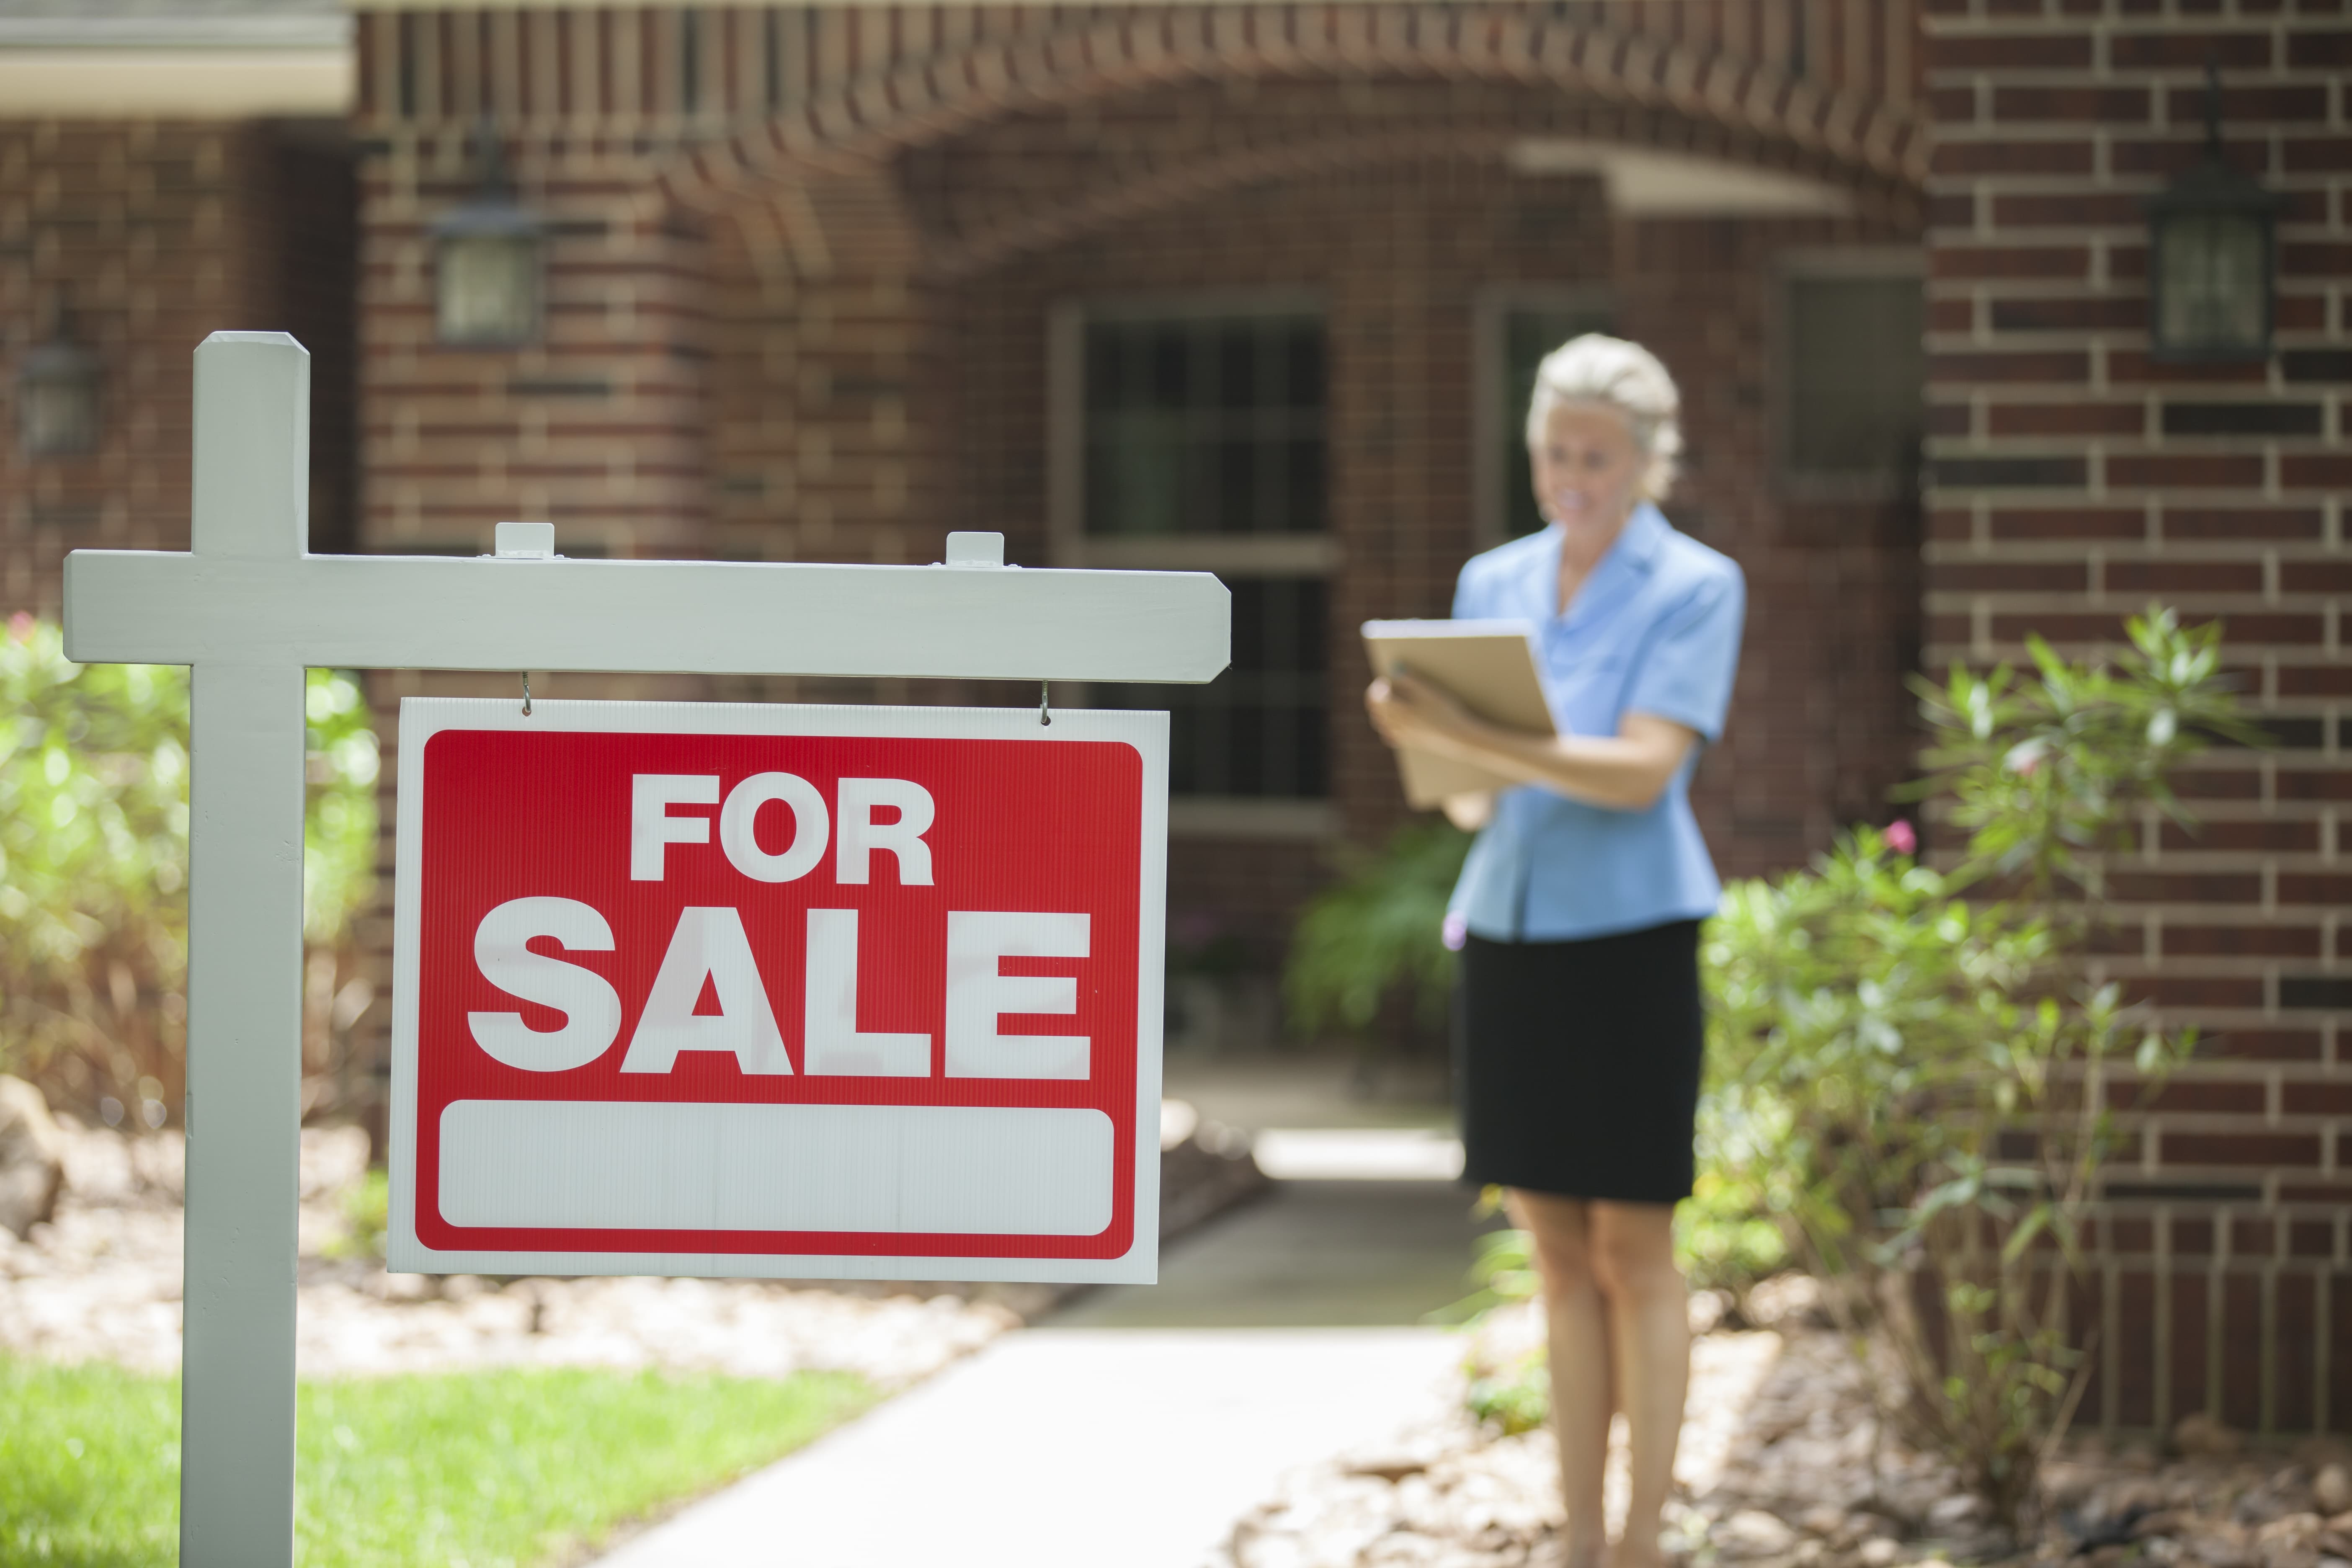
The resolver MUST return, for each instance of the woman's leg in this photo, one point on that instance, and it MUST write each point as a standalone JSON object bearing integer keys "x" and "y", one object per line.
{"x": 1582, "y": 1371}
{"x": 1633, "y": 1254}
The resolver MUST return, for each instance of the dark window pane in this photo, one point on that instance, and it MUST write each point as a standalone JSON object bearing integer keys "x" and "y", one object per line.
{"x": 1304, "y": 492}
{"x": 1171, "y": 354}
{"x": 1854, "y": 375}
{"x": 1106, "y": 369}
{"x": 1237, "y": 486}
{"x": 1237, "y": 378}
{"x": 1216, "y": 425}
{"x": 1211, "y": 424}
{"x": 1258, "y": 730}
{"x": 1303, "y": 374}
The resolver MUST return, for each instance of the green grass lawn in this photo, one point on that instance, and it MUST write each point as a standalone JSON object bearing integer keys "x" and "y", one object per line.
{"x": 492, "y": 1469}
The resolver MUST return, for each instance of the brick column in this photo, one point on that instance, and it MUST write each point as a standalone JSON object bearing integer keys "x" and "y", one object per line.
{"x": 2072, "y": 482}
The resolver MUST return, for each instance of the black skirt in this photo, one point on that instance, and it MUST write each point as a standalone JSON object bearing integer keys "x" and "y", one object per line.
{"x": 1578, "y": 1063}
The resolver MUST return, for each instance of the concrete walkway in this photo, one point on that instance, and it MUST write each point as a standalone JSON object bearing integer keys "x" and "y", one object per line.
{"x": 1320, "y": 1254}
{"x": 1138, "y": 1424}
{"x": 1064, "y": 1448}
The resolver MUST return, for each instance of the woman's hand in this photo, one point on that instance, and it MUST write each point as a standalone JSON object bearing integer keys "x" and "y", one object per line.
{"x": 1470, "y": 812}
{"x": 1410, "y": 711}
{"x": 1624, "y": 771}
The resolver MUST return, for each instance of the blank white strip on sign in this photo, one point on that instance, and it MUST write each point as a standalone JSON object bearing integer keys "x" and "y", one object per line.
{"x": 895, "y": 1169}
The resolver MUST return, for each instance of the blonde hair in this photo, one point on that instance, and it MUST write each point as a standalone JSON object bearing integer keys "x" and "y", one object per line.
{"x": 1627, "y": 377}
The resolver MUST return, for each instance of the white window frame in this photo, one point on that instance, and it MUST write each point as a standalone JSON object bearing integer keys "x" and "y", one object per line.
{"x": 1829, "y": 263}
{"x": 1229, "y": 817}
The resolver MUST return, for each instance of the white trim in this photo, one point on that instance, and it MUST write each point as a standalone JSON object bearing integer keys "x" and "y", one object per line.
{"x": 149, "y": 81}
{"x": 1654, "y": 183}
{"x": 359, "y": 612}
{"x": 423, "y": 718}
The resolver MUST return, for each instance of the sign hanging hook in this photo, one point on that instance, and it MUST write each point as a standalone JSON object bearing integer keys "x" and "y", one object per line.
{"x": 526, "y": 694}
{"x": 1044, "y": 702}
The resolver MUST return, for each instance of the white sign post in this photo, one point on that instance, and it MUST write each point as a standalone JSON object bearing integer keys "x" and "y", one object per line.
{"x": 248, "y": 608}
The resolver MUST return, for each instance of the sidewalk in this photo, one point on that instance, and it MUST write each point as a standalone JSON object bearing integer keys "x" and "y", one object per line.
{"x": 1134, "y": 1427}
{"x": 1066, "y": 1449}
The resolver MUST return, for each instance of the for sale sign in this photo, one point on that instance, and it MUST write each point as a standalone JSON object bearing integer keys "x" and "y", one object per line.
{"x": 786, "y": 991}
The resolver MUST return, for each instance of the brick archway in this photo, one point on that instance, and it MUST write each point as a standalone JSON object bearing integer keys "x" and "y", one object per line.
{"x": 1854, "y": 127}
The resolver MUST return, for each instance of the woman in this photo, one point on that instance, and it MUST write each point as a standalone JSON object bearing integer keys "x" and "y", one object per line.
{"x": 1577, "y": 910}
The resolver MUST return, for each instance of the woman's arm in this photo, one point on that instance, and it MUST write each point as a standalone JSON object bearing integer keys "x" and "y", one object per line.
{"x": 1624, "y": 771}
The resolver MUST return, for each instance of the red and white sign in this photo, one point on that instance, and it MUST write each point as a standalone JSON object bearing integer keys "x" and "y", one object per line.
{"x": 787, "y": 990}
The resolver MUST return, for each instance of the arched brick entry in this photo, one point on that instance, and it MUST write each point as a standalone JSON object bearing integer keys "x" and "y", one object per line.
{"x": 1855, "y": 109}
{"x": 1691, "y": 92}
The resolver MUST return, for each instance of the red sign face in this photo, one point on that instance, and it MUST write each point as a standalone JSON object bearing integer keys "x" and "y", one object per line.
{"x": 787, "y": 990}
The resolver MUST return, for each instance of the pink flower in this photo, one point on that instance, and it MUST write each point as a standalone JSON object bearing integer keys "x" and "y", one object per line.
{"x": 1455, "y": 933}
{"x": 1901, "y": 838}
{"x": 20, "y": 627}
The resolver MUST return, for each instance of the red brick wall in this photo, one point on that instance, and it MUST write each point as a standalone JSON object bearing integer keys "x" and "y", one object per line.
{"x": 2073, "y": 480}
{"x": 598, "y": 426}
{"x": 159, "y": 233}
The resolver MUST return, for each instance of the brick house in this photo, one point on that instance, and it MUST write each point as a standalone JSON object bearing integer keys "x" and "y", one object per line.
{"x": 1255, "y": 289}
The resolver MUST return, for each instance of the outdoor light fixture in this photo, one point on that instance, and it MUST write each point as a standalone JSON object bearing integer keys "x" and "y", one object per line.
{"x": 491, "y": 273}
{"x": 2209, "y": 247}
{"x": 57, "y": 394}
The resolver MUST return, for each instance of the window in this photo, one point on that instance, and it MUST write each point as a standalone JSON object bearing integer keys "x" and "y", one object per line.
{"x": 1853, "y": 370}
{"x": 1190, "y": 436}
{"x": 1515, "y": 330}
{"x": 1255, "y": 732}
{"x": 1211, "y": 424}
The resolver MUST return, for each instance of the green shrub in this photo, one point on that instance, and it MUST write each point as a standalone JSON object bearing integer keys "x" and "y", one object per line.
{"x": 367, "y": 1215}
{"x": 94, "y": 863}
{"x": 1377, "y": 933}
{"x": 1934, "y": 1068}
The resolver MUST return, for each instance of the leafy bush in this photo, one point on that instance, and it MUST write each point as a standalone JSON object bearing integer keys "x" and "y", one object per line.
{"x": 1378, "y": 932}
{"x": 1935, "y": 1070}
{"x": 367, "y": 1215}
{"x": 94, "y": 864}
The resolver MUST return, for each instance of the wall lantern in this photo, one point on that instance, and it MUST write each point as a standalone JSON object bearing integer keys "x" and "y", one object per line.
{"x": 57, "y": 386}
{"x": 489, "y": 279}
{"x": 2210, "y": 249}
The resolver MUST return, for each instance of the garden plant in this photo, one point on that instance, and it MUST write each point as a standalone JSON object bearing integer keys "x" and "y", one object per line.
{"x": 94, "y": 868}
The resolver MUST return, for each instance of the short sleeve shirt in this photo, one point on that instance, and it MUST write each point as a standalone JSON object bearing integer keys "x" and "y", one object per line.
{"x": 1654, "y": 629}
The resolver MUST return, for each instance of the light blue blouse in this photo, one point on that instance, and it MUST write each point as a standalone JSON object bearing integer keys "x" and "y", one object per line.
{"x": 1654, "y": 629}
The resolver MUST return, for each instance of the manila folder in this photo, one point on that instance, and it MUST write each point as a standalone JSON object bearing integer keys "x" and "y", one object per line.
{"x": 1490, "y": 668}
